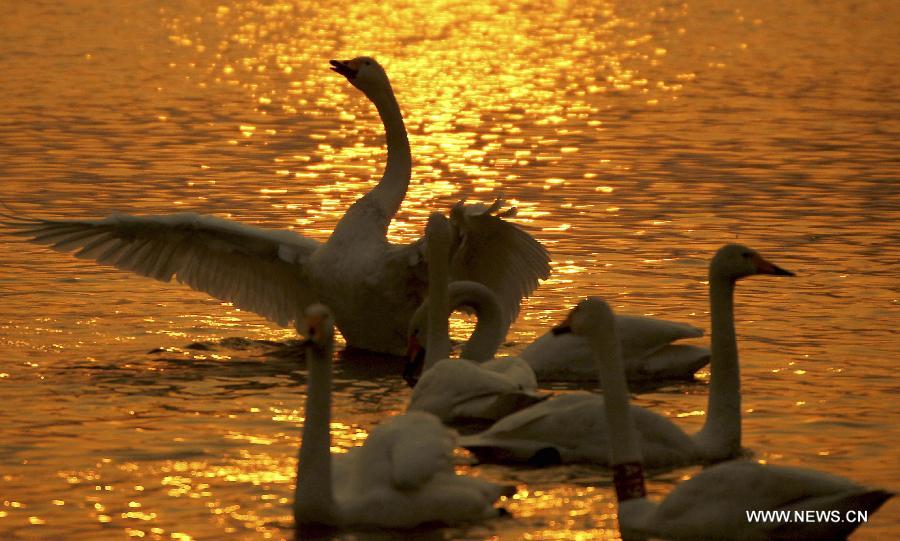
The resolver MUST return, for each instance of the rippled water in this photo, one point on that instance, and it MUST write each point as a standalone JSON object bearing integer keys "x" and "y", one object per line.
{"x": 635, "y": 137}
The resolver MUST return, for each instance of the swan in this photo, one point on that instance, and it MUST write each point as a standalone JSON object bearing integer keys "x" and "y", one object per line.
{"x": 570, "y": 427}
{"x": 464, "y": 389}
{"x": 714, "y": 503}
{"x": 647, "y": 348}
{"x": 401, "y": 477}
{"x": 372, "y": 286}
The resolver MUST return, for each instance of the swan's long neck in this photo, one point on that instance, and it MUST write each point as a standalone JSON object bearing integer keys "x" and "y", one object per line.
{"x": 313, "y": 497}
{"x": 625, "y": 458}
{"x": 624, "y": 445}
{"x": 391, "y": 190}
{"x": 490, "y": 329}
{"x": 722, "y": 429}
{"x": 437, "y": 345}
{"x": 366, "y": 221}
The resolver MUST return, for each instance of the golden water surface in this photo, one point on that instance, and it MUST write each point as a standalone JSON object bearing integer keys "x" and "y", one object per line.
{"x": 634, "y": 136}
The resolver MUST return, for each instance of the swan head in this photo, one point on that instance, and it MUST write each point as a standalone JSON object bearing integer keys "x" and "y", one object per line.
{"x": 591, "y": 315}
{"x": 438, "y": 228}
{"x": 363, "y": 72}
{"x": 736, "y": 261}
{"x": 317, "y": 326}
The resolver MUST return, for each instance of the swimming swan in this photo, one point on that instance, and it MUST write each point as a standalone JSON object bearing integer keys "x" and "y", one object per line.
{"x": 570, "y": 427}
{"x": 401, "y": 477}
{"x": 647, "y": 348}
{"x": 464, "y": 389}
{"x": 372, "y": 286}
{"x": 714, "y": 503}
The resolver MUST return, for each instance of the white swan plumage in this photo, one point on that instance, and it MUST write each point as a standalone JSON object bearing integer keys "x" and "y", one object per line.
{"x": 570, "y": 428}
{"x": 402, "y": 477}
{"x": 647, "y": 347}
{"x": 372, "y": 286}
{"x": 464, "y": 389}
{"x": 714, "y": 503}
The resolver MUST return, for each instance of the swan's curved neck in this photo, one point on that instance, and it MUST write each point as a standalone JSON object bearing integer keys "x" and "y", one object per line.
{"x": 313, "y": 497}
{"x": 391, "y": 190}
{"x": 723, "y": 422}
{"x": 490, "y": 329}
{"x": 367, "y": 220}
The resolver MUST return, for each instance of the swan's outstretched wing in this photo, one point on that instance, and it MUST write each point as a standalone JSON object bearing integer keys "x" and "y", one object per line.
{"x": 259, "y": 270}
{"x": 497, "y": 253}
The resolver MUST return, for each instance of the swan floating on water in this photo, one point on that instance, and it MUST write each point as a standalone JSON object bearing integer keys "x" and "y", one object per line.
{"x": 372, "y": 286}
{"x": 402, "y": 476}
{"x": 714, "y": 504}
{"x": 570, "y": 427}
{"x": 464, "y": 389}
{"x": 647, "y": 347}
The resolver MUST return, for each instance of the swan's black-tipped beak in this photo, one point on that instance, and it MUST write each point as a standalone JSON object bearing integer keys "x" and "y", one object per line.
{"x": 565, "y": 327}
{"x": 562, "y": 328}
{"x": 778, "y": 271}
{"x": 347, "y": 68}
{"x": 765, "y": 267}
{"x": 415, "y": 361}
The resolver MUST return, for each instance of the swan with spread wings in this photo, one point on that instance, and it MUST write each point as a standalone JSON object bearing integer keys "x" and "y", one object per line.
{"x": 372, "y": 285}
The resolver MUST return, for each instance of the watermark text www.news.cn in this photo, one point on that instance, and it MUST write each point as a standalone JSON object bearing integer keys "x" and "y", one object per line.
{"x": 811, "y": 515}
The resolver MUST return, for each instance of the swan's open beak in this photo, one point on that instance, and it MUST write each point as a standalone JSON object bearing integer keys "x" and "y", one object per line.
{"x": 765, "y": 267}
{"x": 347, "y": 68}
{"x": 415, "y": 361}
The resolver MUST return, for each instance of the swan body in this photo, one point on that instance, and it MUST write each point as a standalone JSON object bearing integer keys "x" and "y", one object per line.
{"x": 714, "y": 503}
{"x": 647, "y": 349}
{"x": 373, "y": 286}
{"x": 402, "y": 476}
{"x": 464, "y": 389}
{"x": 570, "y": 428}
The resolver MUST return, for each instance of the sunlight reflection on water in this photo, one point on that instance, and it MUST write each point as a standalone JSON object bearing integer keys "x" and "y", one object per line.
{"x": 635, "y": 137}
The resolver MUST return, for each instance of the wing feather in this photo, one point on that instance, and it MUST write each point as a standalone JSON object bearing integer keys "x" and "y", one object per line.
{"x": 498, "y": 254}
{"x": 259, "y": 270}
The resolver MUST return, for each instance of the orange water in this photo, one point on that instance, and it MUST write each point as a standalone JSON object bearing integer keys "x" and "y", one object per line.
{"x": 635, "y": 138}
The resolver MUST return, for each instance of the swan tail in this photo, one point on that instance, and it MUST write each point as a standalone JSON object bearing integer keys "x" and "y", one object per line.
{"x": 672, "y": 362}
{"x": 850, "y": 510}
{"x": 493, "y": 406}
{"x": 488, "y": 450}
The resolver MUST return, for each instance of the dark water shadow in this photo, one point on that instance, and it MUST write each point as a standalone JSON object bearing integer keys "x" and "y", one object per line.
{"x": 235, "y": 365}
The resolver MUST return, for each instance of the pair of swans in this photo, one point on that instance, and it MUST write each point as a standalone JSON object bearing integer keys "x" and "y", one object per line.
{"x": 402, "y": 476}
{"x": 570, "y": 427}
{"x": 714, "y": 503}
{"x": 479, "y": 387}
{"x": 474, "y": 387}
{"x": 372, "y": 286}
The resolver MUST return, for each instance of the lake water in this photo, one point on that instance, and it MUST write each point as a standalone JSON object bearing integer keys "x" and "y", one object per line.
{"x": 635, "y": 138}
